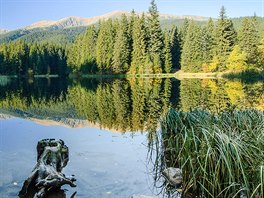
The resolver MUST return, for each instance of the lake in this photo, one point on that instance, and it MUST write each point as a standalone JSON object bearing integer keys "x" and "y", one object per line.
{"x": 108, "y": 125}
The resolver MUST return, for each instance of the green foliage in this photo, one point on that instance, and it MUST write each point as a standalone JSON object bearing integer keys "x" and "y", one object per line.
{"x": 249, "y": 39}
{"x": 218, "y": 95}
{"x": 191, "y": 59}
{"x": 121, "y": 53}
{"x": 224, "y": 39}
{"x": 167, "y": 54}
{"x": 115, "y": 104}
{"x": 136, "y": 45}
{"x": 20, "y": 58}
{"x": 220, "y": 155}
{"x": 237, "y": 60}
{"x": 105, "y": 46}
{"x": 175, "y": 42}
{"x": 155, "y": 46}
{"x": 139, "y": 53}
{"x": 81, "y": 55}
{"x": 62, "y": 36}
{"x": 206, "y": 42}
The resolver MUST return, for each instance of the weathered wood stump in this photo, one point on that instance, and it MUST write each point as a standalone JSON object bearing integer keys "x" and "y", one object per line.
{"x": 46, "y": 177}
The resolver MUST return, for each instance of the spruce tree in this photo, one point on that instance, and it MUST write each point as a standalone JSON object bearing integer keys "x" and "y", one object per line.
{"x": 121, "y": 51}
{"x": 225, "y": 38}
{"x": 191, "y": 59}
{"x": 183, "y": 31}
{"x": 207, "y": 44}
{"x": 167, "y": 53}
{"x": 248, "y": 39}
{"x": 139, "y": 52}
{"x": 88, "y": 54}
{"x": 105, "y": 46}
{"x": 175, "y": 47}
{"x": 155, "y": 38}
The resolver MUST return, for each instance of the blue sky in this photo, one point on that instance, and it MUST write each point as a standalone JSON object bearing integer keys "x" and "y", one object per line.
{"x": 18, "y": 13}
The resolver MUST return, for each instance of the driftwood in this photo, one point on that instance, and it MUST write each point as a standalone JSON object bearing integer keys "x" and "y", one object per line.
{"x": 46, "y": 178}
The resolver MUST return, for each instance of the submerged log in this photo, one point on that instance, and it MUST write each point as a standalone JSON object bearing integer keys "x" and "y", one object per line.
{"x": 46, "y": 177}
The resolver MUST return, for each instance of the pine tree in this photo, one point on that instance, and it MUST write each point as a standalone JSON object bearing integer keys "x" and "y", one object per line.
{"x": 105, "y": 46}
{"x": 225, "y": 38}
{"x": 88, "y": 53}
{"x": 74, "y": 57}
{"x": 207, "y": 41}
{"x": 175, "y": 48}
{"x": 191, "y": 59}
{"x": 139, "y": 52}
{"x": 167, "y": 53}
{"x": 248, "y": 38}
{"x": 121, "y": 51}
{"x": 183, "y": 31}
{"x": 155, "y": 38}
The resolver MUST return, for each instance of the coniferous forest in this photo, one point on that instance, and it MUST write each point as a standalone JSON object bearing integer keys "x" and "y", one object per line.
{"x": 136, "y": 44}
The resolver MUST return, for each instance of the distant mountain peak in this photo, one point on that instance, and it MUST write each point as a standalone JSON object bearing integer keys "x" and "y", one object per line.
{"x": 3, "y": 31}
{"x": 75, "y": 21}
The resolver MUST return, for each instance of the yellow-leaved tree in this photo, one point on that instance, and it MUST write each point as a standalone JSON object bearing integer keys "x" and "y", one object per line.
{"x": 261, "y": 54}
{"x": 237, "y": 60}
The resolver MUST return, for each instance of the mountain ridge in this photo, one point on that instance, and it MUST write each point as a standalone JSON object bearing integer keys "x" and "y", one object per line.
{"x": 3, "y": 31}
{"x": 76, "y": 21}
{"x": 65, "y": 30}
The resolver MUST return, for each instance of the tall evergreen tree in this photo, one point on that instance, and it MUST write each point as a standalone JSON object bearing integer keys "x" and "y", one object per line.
{"x": 155, "y": 38}
{"x": 225, "y": 38}
{"x": 167, "y": 53}
{"x": 121, "y": 51}
{"x": 191, "y": 59}
{"x": 105, "y": 46}
{"x": 206, "y": 43}
{"x": 248, "y": 38}
{"x": 175, "y": 47}
{"x": 139, "y": 52}
{"x": 88, "y": 54}
{"x": 183, "y": 31}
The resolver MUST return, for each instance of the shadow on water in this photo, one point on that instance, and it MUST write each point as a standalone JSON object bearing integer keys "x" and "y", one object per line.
{"x": 250, "y": 76}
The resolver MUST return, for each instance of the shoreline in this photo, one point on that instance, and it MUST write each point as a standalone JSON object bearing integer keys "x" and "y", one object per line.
{"x": 178, "y": 75}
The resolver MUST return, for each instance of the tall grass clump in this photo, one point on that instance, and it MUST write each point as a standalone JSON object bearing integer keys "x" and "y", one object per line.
{"x": 220, "y": 155}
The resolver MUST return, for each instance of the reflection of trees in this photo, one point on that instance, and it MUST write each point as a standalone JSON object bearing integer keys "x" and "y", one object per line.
{"x": 134, "y": 105}
{"x": 218, "y": 95}
{"x": 116, "y": 104}
{"x": 124, "y": 106}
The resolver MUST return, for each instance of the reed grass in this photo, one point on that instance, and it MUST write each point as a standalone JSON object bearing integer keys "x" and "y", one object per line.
{"x": 220, "y": 155}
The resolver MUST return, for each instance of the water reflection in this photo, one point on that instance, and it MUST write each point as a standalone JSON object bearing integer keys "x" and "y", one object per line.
{"x": 122, "y": 105}
{"x": 219, "y": 95}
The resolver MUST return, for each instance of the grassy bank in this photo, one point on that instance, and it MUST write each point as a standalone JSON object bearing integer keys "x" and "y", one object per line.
{"x": 220, "y": 155}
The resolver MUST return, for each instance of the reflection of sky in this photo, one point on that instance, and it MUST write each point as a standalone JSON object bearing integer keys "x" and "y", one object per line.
{"x": 106, "y": 164}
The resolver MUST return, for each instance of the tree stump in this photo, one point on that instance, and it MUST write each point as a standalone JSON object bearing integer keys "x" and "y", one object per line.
{"x": 46, "y": 177}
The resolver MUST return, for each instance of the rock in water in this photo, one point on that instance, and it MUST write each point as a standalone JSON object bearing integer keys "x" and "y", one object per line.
{"x": 46, "y": 177}
{"x": 173, "y": 176}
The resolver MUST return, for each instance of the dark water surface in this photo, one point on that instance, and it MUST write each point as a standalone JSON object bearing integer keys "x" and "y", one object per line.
{"x": 106, "y": 123}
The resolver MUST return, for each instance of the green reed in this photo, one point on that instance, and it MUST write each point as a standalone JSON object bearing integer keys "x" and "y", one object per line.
{"x": 220, "y": 155}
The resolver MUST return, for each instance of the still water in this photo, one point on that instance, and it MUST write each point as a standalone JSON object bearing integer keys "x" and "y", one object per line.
{"x": 108, "y": 125}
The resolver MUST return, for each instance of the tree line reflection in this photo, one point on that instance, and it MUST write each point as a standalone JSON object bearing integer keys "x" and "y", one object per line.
{"x": 124, "y": 105}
